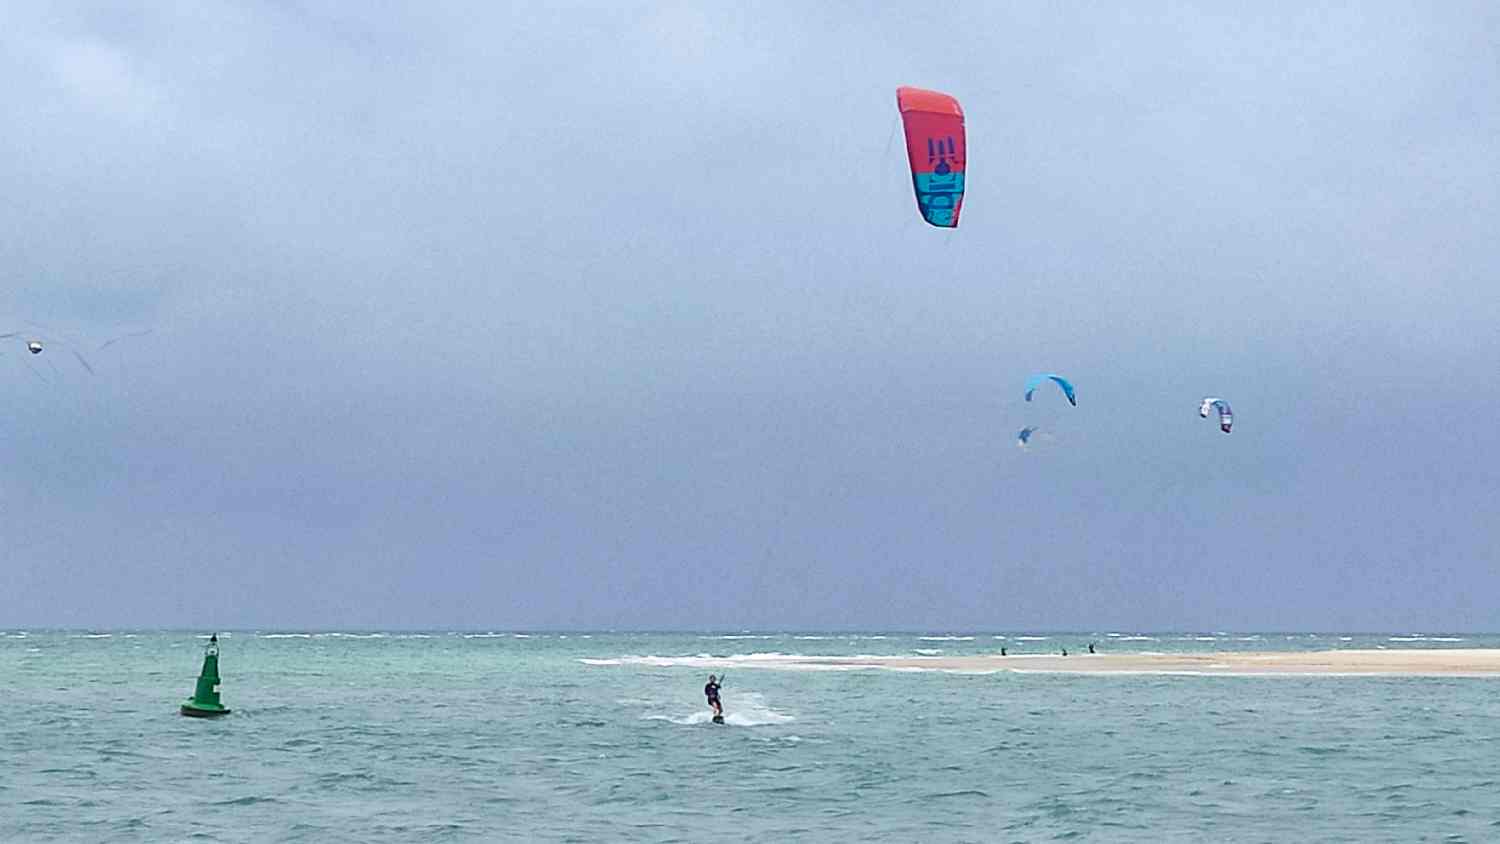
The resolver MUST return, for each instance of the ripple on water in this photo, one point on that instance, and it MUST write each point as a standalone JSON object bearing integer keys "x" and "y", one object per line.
{"x": 247, "y": 800}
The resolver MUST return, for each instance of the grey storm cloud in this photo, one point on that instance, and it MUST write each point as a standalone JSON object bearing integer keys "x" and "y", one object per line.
{"x": 621, "y": 315}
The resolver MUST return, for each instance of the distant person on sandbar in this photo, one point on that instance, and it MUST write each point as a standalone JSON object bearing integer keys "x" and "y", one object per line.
{"x": 1065, "y": 651}
{"x": 1091, "y": 647}
{"x": 711, "y": 691}
{"x": 1002, "y": 650}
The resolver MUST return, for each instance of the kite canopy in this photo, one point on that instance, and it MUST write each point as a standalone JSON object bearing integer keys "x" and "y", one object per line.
{"x": 1067, "y": 386}
{"x": 1024, "y": 435}
{"x": 934, "y": 124}
{"x": 1226, "y": 416}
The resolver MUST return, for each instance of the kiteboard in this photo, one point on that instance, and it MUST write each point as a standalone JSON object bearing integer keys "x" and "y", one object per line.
{"x": 718, "y": 719}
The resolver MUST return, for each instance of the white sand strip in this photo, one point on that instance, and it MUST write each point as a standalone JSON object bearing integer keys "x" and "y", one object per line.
{"x": 1456, "y": 662}
{"x": 1445, "y": 662}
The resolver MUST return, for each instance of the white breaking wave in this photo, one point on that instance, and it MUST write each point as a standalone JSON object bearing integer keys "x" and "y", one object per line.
{"x": 788, "y": 662}
{"x": 697, "y": 660}
{"x": 946, "y": 638}
{"x": 752, "y": 660}
{"x": 283, "y": 636}
{"x": 927, "y": 651}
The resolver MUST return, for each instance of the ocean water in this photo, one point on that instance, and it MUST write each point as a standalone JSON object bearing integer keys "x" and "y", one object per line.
{"x": 604, "y": 737}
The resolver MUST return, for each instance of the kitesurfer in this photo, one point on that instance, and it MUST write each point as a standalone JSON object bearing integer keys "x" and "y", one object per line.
{"x": 711, "y": 691}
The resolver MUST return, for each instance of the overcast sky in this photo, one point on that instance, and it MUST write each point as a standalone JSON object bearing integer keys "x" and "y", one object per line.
{"x": 622, "y": 315}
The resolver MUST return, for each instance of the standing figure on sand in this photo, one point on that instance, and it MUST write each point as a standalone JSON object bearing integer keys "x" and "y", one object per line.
{"x": 711, "y": 691}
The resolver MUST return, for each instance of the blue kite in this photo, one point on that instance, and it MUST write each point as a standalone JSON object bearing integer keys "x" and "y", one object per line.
{"x": 1067, "y": 386}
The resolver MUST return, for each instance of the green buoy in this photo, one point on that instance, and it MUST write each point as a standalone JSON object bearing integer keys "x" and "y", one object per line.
{"x": 205, "y": 702}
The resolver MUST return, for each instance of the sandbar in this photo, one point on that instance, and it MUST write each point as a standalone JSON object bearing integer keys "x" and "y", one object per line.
{"x": 1434, "y": 662}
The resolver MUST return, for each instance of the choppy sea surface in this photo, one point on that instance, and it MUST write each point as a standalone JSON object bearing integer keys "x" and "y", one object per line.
{"x": 498, "y": 736}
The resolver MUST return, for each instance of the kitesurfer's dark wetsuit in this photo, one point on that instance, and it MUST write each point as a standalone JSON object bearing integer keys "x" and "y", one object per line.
{"x": 711, "y": 691}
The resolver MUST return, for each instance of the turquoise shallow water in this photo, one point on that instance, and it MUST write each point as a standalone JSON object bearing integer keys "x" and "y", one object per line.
{"x": 552, "y": 737}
